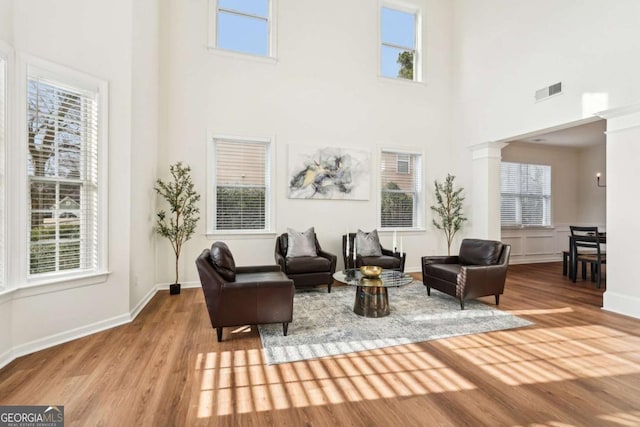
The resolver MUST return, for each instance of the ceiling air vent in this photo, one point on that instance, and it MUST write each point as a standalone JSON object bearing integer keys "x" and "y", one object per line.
{"x": 548, "y": 91}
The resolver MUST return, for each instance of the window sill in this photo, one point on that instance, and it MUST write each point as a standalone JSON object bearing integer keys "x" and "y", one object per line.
{"x": 527, "y": 227}
{"x": 402, "y": 230}
{"x": 243, "y": 56}
{"x": 57, "y": 284}
{"x": 399, "y": 80}
{"x": 241, "y": 234}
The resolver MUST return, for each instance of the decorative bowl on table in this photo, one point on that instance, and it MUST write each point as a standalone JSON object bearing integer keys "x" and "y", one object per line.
{"x": 371, "y": 271}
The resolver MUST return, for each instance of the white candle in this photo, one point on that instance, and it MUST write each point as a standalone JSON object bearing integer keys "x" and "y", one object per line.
{"x": 354, "y": 253}
{"x": 395, "y": 240}
{"x": 401, "y": 251}
{"x": 347, "y": 249}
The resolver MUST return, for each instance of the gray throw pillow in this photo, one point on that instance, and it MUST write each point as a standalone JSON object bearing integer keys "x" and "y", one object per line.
{"x": 301, "y": 244}
{"x": 368, "y": 244}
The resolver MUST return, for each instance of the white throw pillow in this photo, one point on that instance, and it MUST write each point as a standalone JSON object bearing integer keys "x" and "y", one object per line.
{"x": 368, "y": 244}
{"x": 301, "y": 244}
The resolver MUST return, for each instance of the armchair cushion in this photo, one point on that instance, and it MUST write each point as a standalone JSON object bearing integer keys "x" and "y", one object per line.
{"x": 368, "y": 244}
{"x": 384, "y": 261}
{"x": 301, "y": 244}
{"x": 308, "y": 264}
{"x": 222, "y": 261}
{"x": 447, "y": 272}
{"x": 480, "y": 252}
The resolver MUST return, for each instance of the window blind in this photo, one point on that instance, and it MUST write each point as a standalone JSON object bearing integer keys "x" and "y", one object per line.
{"x": 242, "y": 191}
{"x": 525, "y": 194}
{"x": 62, "y": 168}
{"x": 400, "y": 190}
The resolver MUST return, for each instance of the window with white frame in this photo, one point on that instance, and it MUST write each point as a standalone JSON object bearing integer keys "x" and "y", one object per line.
{"x": 525, "y": 195}
{"x": 400, "y": 192}
{"x": 241, "y": 186}
{"x": 64, "y": 224}
{"x": 3, "y": 139}
{"x": 243, "y": 26}
{"x": 399, "y": 50}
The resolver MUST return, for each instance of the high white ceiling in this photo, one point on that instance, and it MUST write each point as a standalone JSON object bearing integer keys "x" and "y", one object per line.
{"x": 577, "y": 136}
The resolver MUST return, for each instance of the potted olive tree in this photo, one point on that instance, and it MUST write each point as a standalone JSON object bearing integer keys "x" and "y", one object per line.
{"x": 448, "y": 209}
{"x": 179, "y": 225}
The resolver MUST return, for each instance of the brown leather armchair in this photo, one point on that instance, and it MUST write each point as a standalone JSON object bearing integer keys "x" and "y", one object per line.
{"x": 238, "y": 296}
{"x": 479, "y": 270}
{"x": 388, "y": 260}
{"x": 306, "y": 270}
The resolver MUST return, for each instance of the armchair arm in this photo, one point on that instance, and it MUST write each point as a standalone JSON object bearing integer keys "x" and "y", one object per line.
{"x": 331, "y": 257}
{"x": 258, "y": 268}
{"x": 452, "y": 259}
{"x": 280, "y": 261}
{"x": 426, "y": 260}
{"x": 480, "y": 280}
{"x": 252, "y": 286}
{"x": 387, "y": 252}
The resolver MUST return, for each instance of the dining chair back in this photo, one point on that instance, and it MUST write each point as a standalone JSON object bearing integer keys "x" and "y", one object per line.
{"x": 587, "y": 249}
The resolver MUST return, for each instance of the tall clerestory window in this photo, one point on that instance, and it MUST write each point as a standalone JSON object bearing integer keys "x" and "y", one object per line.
{"x": 400, "y": 43}
{"x": 63, "y": 128}
{"x": 244, "y": 26}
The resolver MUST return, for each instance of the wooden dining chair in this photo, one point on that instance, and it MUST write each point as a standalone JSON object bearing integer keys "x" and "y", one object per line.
{"x": 587, "y": 249}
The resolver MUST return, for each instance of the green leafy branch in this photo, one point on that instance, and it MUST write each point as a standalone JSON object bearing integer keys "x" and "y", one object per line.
{"x": 448, "y": 215}
{"x": 182, "y": 198}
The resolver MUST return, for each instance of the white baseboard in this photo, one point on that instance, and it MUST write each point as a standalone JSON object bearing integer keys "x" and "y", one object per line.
{"x": 143, "y": 302}
{"x": 184, "y": 285}
{"x": 66, "y": 336}
{"x": 529, "y": 259}
{"x": 73, "y": 334}
{"x": 6, "y": 358}
{"x": 622, "y": 304}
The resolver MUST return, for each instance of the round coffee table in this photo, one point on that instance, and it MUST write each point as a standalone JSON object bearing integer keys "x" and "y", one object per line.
{"x": 372, "y": 299}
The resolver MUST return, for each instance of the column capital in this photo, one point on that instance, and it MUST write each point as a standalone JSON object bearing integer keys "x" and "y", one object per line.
{"x": 487, "y": 150}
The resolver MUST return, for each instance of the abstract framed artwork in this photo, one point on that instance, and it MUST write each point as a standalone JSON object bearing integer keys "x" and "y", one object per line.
{"x": 334, "y": 173}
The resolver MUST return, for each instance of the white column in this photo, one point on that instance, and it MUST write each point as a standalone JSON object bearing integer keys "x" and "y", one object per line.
{"x": 623, "y": 204}
{"x": 484, "y": 212}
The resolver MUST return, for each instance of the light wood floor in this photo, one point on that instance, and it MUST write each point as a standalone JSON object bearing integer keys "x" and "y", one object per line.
{"x": 577, "y": 366}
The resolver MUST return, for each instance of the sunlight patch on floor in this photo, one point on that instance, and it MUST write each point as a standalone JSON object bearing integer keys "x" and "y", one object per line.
{"x": 623, "y": 418}
{"x": 538, "y": 355}
{"x": 237, "y": 382}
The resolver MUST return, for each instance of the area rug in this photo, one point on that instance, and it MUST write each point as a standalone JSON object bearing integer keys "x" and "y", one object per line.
{"x": 325, "y": 324}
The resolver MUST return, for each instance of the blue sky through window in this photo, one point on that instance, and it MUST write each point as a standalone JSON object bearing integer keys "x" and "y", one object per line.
{"x": 247, "y": 30}
{"x": 399, "y": 30}
{"x": 252, "y": 7}
{"x": 243, "y": 26}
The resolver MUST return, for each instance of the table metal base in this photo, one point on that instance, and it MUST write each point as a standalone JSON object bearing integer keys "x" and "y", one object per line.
{"x": 371, "y": 301}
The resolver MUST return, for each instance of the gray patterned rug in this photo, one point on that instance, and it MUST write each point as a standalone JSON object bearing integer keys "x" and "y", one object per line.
{"x": 325, "y": 324}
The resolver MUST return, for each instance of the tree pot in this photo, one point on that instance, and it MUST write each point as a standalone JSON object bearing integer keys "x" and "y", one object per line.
{"x": 174, "y": 289}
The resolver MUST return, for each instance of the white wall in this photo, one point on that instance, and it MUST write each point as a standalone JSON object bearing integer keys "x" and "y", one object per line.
{"x": 592, "y": 200}
{"x": 145, "y": 88}
{"x": 6, "y": 20}
{"x": 623, "y": 152}
{"x": 505, "y": 50}
{"x": 323, "y": 89}
{"x": 98, "y": 43}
